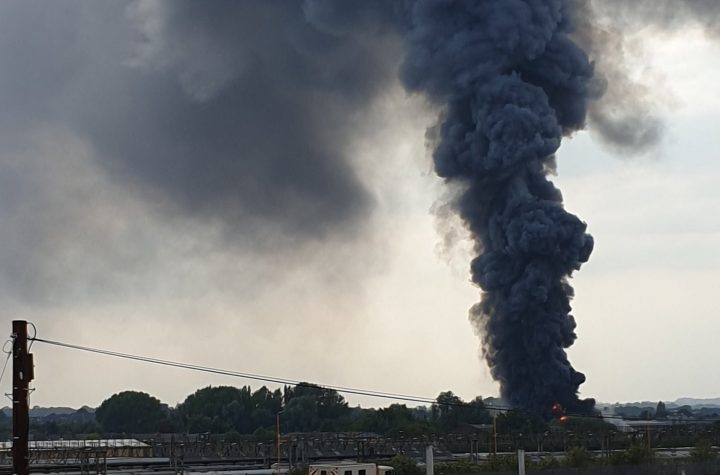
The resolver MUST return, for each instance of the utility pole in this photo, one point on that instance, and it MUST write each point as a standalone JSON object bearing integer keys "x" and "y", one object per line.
{"x": 277, "y": 435}
{"x": 22, "y": 375}
{"x": 429, "y": 460}
{"x": 495, "y": 434}
{"x": 521, "y": 461}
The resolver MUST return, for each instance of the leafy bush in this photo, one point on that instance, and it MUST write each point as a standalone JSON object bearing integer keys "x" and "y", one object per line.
{"x": 703, "y": 452}
{"x": 262, "y": 434}
{"x": 578, "y": 457}
{"x": 404, "y": 465}
{"x": 502, "y": 462}
{"x": 547, "y": 463}
{"x": 636, "y": 454}
{"x": 460, "y": 466}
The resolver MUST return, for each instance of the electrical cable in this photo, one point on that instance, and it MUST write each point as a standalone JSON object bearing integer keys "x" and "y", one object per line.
{"x": 279, "y": 380}
{"x": 9, "y": 354}
{"x": 32, "y": 339}
{"x": 243, "y": 375}
{"x": 5, "y": 366}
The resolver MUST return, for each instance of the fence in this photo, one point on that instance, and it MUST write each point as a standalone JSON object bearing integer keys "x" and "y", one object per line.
{"x": 704, "y": 468}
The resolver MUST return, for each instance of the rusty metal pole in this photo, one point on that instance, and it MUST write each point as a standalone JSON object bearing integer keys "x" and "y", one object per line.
{"x": 277, "y": 435}
{"x": 22, "y": 375}
{"x": 495, "y": 434}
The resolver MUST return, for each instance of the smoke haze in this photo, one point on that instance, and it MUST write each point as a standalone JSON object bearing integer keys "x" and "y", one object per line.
{"x": 629, "y": 101}
{"x": 232, "y": 116}
{"x": 147, "y": 141}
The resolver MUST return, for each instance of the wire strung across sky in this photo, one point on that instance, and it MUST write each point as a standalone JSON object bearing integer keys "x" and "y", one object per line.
{"x": 9, "y": 354}
{"x": 278, "y": 380}
{"x": 243, "y": 375}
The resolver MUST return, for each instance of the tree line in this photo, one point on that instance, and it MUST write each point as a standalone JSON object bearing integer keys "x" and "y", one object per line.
{"x": 301, "y": 408}
{"x": 305, "y": 407}
{"x": 241, "y": 412}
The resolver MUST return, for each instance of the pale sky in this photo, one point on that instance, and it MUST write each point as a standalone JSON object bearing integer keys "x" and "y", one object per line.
{"x": 385, "y": 310}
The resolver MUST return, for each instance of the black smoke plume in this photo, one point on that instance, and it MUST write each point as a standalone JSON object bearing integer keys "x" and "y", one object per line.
{"x": 513, "y": 84}
{"x": 238, "y": 114}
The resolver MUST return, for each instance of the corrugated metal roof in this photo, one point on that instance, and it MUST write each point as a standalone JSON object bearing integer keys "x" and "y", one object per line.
{"x": 77, "y": 444}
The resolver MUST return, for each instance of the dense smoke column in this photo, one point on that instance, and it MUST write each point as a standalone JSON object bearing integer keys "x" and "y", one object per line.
{"x": 513, "y": 84}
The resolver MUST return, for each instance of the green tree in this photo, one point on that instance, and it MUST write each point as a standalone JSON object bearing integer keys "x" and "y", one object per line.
{"x": 515, "y": 422}
{"x": 578, "y": 457}
{"x": 636, "y": 454}
{"x": 685, "y": 410}
{"x": 446, "y": 411}
{"x": 450, "y": 411}
{"x": 703, "y": 452}
{"x": 309, "y": 407}
{"x": 477, "y": 413}
{"x": 264, "y": 405}
{"x": 404, "y": 465}
{"x": 131, "y": 412}
{"x": 661, "y": 411}
{"x": 264, "y": 435}
{"x": 217, "y": 409}
{"x": 393, "y": 419}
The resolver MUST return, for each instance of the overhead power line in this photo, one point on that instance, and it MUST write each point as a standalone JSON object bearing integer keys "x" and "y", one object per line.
{"x": 279, "y": 380}
{"x": 243, "y": 375}
{"x": 9, "y": 354}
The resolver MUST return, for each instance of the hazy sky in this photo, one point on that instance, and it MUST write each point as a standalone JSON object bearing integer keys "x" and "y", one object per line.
{"x": 375, "y": 299}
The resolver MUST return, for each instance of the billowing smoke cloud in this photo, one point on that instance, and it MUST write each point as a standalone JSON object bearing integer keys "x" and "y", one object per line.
{"x": 627, "y": 110}
{"x": 515, "y": 76}
{"x": 243, "y": 111}
{"x": 237, "y": 116}
{"x": 513, "y": 83}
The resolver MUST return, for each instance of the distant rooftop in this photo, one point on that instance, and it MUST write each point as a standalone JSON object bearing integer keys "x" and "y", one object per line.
{"x": 76, "y": 444}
